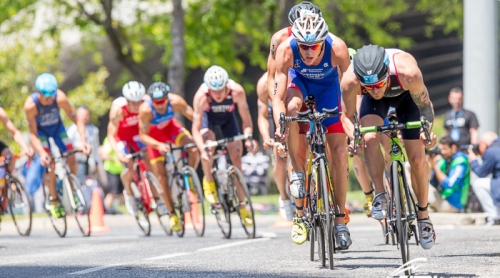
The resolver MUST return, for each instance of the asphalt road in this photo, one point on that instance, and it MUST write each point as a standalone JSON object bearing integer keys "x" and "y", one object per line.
{"x": 461, "y": 251}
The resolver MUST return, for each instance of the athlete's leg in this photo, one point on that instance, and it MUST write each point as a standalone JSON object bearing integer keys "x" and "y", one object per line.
{"x": 363, "y": 177}
{"x": 193, "y": 154}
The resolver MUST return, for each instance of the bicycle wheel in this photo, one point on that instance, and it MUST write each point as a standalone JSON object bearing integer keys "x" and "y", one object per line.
{"x": 401, "y": 225}
{"x": 78, "y": 206}
{"x": 320, "y": 238}
{"x": 164, "y": 219}
{"x": 387, "y": 234}
{"x": 312, "y": 239}
{"x": 142, "y": 217}
{"x": 59, "y": 224}
{"x": 19, "y": 206}
{"x": 249, "y": 229}
{"x": 221, "y": 209}
{"x": 326, "y": 216}
{"x": 196, "y": 201}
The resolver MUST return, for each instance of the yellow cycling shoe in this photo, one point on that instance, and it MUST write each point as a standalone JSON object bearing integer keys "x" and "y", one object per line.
{"x": 210, "y": 191}
{"x": 175, "y": 223}
{"x": 246, "y": 217}
{"x": 299, "y": 230}
{"x": 367, "y": 207}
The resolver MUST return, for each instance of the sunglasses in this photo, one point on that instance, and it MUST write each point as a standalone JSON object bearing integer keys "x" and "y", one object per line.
{"x": 379, "y": 84}
{"x": 315, "y": 46}
{"x": 160, "y": 101}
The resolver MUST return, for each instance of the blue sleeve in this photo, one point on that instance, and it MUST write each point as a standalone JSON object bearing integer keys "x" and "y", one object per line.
{"x": 455, "y": 176}
{"x": 487, "y": 167}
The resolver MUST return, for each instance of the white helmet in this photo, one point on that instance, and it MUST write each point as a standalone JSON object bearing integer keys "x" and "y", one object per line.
{"x": 133, "y": 91}
{"x": 216, "y": 78}
{"x": 310, "y": 27}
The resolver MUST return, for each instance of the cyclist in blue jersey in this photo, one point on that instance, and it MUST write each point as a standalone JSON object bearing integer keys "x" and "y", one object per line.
{"x": 44, "y": 121}
{"x": 312, "y": 62}
{"x": 214, "y": 106}
{"x": 391, "y": 77}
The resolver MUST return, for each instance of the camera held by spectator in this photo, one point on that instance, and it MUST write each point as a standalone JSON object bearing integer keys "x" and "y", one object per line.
{"x": 467, "y": 147}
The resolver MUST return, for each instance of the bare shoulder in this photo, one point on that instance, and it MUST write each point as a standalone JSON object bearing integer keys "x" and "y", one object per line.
{"x": 262, "y": 92}
{"x": 61, "y": 97}
{"x": 349, "y": 79}
{"x": 200, "y": 99}
{"x": 144, "y": 109}
{"x": 406, "y": 64}
{"x": 29, "y": 104}
{"x": 237, "y": 90}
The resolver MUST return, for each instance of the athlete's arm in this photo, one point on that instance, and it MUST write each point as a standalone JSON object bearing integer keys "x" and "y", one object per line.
{"x": 115, "y": 116}
{"x": 63, "y": 102}
{"x": 263, "y": 112}
{"x": 350, "y": 89}
{"x": 271, "y": 60}
{"x": 200, "y": 103}
{"x": 145, "y": 116}
{"x": 180, "y": 105}
{"x": 340, "y": 56}
{"x": 284, "y": 61}
{"x": 16, "y": 134}
{"x": 240, "y": 99}
{"x": 31, "y": 111}
{"x": 413, "y": 81}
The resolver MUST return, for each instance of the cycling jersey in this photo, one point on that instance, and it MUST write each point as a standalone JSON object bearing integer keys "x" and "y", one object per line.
{"x": 395, "y": 96}
{"x": 49, "y": 124}
{"x": 164, "y": 128}
{"x": 221, "y": 114}
{"x": 128, "y": 130}
{"x": 320, "y": 81}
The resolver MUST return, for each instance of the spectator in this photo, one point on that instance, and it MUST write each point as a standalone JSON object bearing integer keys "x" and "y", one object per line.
{"x": 113, "y": 168}
{"x": 488, "y": 189}
{"x": 451, "y": 173}
{"x": 86, "y": 164}
{"x": 460, "y": 124}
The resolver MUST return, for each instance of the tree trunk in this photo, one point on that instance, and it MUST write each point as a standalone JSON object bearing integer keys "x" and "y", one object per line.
{"x": 176, "y": 66}
{"x": 285, "y": 5}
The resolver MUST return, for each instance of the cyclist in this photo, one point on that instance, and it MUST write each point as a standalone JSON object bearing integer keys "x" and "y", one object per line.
{"x": 391, "y": 77}
{"x": 157, "y": 126}
{"x": 4, "y": 149}
{"x": 265, "y": 96}
{"x": 42, "y": 109}
{"x": 214, "y": 105}
{"x": 312, "y": 62}
{"x": 123, "y": 135}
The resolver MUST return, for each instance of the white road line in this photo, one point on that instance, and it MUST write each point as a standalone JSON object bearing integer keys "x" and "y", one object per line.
{"x": 227, "y": 245}
{"x": 166, "y": 256}
{"x": 267, "y": 234}
{"x": 95, "y": 269}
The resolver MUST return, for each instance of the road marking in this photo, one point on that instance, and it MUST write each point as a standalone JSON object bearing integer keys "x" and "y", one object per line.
{"x": 166, "y": 256}
{"x": 227, "y": 245}
{"x": 94, "y": 269}
{"x": 267, "y": 235}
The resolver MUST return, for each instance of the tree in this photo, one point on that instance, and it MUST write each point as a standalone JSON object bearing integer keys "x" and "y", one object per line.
{"x": 176, "y": 67}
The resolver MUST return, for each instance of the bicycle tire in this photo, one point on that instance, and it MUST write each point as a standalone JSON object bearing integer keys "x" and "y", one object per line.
{"x": 179, "y": 210}
{"x": 327, "y": 224}
{"x": 321, "y": 244}
{"x": 164, "y": 219}
{"x": 312, "y": 239}
{"x": 221, "y": 210}
{"x": 142, "y": 217}
{"x": 196, "y": 201}
{"x": 21, "y": 195}
{"x": 249, "y": 230}
{"x": 401, "y": 226}
{"x": 82, "y": 216}
{"x": 56, "y": 222}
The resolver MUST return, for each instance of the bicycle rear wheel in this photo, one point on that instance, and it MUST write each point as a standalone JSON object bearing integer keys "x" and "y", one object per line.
{"x": 326, "y": 216}
{"x": 79, "y": 208}
{"x": 196, "y": 201}
{"x": 19, "y": 206}
{"x": 401, "y": 225}
{"x": 221, "y": 209}
{"x": 59, "y": 223}
{"x": 249, "y": 229}
{"x": 142, "y": 217}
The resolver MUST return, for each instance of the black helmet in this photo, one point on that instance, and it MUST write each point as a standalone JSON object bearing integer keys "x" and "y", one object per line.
{"x": 296, "y": 10}
{"x": 158, "y": 90}
{"x": 370, "y": 64}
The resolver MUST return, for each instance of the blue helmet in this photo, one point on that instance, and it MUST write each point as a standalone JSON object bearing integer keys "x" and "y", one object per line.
{"x": 46, "y": 84}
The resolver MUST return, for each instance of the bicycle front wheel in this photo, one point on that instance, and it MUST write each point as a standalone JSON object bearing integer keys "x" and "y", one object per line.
{"x": 221, "y": 209}
{"x": 79, "y": 207}
{"x": 163, "y": 218}
{"x": 142, "y": 217}
{"x": 247, "y": 203}
{"x": 19, "y": 206}
{"x": 326, "y": 216}
{"x": 401, "y": 225}
{"x": 59, "y": 223}
{"x": 195, "y": 200}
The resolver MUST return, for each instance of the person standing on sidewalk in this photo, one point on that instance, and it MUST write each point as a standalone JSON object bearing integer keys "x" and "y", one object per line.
{"x": 113, "y": 167}
{"x": 460, "y": 124}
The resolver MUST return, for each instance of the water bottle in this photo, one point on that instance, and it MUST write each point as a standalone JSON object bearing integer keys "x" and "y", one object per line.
{"x": 221, "y": 172}
{"x": 169, "y": 163}
{"x": 59, "y": 187}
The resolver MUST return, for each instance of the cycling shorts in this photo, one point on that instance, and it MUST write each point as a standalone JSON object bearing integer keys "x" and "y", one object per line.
{"x": 229, "y": 128}
{"x": 60, "y": 137}
{"x": 173, "y": 133}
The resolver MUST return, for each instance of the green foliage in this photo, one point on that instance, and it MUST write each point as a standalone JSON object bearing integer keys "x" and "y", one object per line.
{"x": 446, "y": 13}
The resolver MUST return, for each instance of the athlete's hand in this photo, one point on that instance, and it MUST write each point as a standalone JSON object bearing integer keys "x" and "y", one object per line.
{"x": 206, "y": 155}
{"x": 86, "y": 149}
{"x": 281, "y": 137}
{"x": 122, "y": 158}
{"x": 350, "y": 148}
{"x": 281, "y": 149}
{"x": 251, "y": 146}
{"x": 424, "y": 139}
{"x": 29, "y": 151}
{"x": 163, "y": 148}
{"x": 268, "y": 144}
{"x": 45, "y": 159}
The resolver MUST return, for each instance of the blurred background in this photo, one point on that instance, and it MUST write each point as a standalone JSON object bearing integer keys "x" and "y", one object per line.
{"x": 95, "y": 46}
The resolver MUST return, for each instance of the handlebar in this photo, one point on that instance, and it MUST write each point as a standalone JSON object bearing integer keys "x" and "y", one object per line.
{"x": 423, "y": 123}
{"x": 308, "y": 116}
{"x": 183, "y": 147}
{"x": 65, "y": 154}
{"x": 228, "y": 140}
{"x": 5, "y": 160}
{"x": 134, "y": 155}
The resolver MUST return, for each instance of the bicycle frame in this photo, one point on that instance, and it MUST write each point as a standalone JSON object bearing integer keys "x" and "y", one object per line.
{"x": 139, "y": 177}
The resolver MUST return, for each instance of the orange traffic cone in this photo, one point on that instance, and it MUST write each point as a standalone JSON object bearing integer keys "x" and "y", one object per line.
{"x": 97, "y": 213}
{"x": 194, "y": 210}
